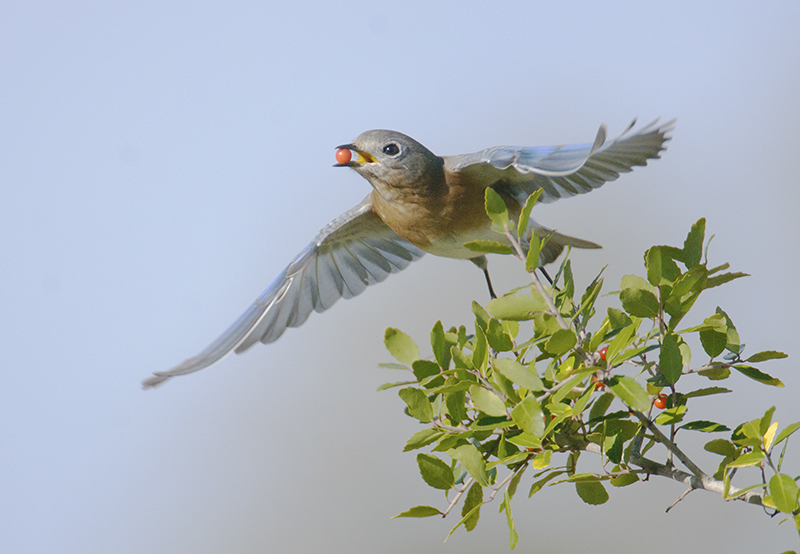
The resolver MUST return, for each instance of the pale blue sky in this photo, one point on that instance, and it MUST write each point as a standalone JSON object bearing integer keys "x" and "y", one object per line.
{"x": 161, "y": 162}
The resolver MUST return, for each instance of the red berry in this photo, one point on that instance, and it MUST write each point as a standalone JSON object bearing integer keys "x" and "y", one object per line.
{"x": 661, "y": 401}
{"x": 603, "y": 353}
{"x": 343, "y": 155}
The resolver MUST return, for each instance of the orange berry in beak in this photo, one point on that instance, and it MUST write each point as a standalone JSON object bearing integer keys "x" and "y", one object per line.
{"x": 343, "y": 155}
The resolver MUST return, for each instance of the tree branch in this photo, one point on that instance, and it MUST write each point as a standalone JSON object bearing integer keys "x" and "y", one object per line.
{"x": 704, "y": 482}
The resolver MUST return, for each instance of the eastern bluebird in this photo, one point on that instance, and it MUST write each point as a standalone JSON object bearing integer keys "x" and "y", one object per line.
{"x": 420, "y": 203}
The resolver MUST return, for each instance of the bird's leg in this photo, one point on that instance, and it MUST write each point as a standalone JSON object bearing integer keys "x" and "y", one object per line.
{"x": 482, "y": 263}
{"x": 546, "y": 276}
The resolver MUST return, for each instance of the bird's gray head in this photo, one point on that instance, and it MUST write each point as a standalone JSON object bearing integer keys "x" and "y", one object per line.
{"x": 392, "y": 160}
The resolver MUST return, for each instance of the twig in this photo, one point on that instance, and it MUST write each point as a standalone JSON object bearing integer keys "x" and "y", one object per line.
{"x": 681, "y": 497}
{"x": 467, "y": 482}
{"x": 671, "y": 446}
{"x": 705, "y": 483}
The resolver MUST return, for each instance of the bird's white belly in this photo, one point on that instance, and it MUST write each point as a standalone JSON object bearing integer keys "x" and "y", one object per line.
{"x": 453, "y": 246}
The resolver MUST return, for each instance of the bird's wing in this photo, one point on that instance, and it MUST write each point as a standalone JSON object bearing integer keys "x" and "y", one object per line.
{"x": 563, "y": 171}
{"x": 353, "y": 251}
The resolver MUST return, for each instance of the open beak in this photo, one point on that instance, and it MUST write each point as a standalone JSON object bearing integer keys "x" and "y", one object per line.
{"x": 363, "y": 157}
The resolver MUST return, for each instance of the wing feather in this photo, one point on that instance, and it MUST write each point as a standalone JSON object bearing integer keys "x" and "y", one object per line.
{"x": 350, "y": 253}
{"x": 562, "y": 171}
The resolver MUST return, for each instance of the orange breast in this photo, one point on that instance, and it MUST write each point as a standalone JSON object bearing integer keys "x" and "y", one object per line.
{"x": 441, "y": 222}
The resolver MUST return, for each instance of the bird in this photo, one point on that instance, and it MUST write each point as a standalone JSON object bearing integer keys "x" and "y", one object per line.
{"x": 423, "y": 203}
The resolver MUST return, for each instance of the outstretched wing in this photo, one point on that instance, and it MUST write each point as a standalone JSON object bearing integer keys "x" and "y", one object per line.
{"x": 563, "y": 171}
{"x": 353, "y": 251}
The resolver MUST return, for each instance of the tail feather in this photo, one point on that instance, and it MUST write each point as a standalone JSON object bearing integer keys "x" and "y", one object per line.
{"x": 555, "y": 245}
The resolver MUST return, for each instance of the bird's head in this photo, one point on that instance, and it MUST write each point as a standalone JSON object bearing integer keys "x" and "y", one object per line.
{"x": 390, "y": 160}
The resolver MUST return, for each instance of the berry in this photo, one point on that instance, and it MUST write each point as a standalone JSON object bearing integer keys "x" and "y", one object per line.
{"x": 661, "y": 401}
{"x": 343, "y": 155}
{"x": 603, "y": 353}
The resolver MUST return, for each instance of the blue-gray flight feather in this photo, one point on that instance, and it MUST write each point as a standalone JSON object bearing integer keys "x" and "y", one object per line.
{"x": 355, "y": 250}
{"x": 563, "y": 171}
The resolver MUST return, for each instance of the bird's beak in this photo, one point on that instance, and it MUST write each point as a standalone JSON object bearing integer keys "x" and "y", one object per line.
{"x": 363, "y": 157}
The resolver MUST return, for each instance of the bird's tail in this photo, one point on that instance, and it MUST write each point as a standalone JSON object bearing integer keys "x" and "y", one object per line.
{"x": 555, "y": 245}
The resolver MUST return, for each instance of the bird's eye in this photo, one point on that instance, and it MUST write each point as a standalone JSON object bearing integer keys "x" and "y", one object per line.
{"x": 391, "y": 149}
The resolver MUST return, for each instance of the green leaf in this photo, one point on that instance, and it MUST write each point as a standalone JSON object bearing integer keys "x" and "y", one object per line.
{"x": 765, "y": 355}
{"x": 401, "y": 346}
{"x": 640, "y": 303}
{"x": 766, "y": 421}
{"x": 487, "y": 401}
{"x": 757, "y": 375}
{"x": 590, "y": 297}
{"x": 545, "y": 325}
{"x": 713, "y": 341}
{"x": 489, "y": 247}
{"x": 519, "y": 306}
{"x": 636, "y": 282}
{"x": 534, "y": 249}
{"x": 528, "y": 416}
{"x": 481, "y": 353}
{"x": 525, "y": 214}
{"x": 706, "y": 392}
{"x": 425, "y": 368}
{"x": 669, "y": 359}
{"x": 420, "y": 511}
{"x": 511, "y": 327}
{"x": 717, "y": 373}
{"x": 749, "y": 459}
{"x": 496, "y": 208}
{"x": 734, "y": 344}
{"x": 422, "y": 438}
{"x": 455, "y": 403}
{"x": 617, "y": 318}
{"x": 460, "y": 359}
{"x": 624, "y": 480}
{"x": 497, "y": 337}
{"x": 518, "y": 373}
{"x": 513, "y": 537}
{"x": 473, "y": 500}
{"x": 539, "y": 485}
{"x": 614, "y": 446}
{"x": 592, "y": 492}
{"x": 718, "y": 280}
{"x": 769, "y": 436}
{"x": 784, "y": 492}
{"x": 661, "y": 268}
{"x": 573, "y": 381}
{"x": 561, "y": 342}
{"x": 787, "y": 432}
{"x": 630, "y": 392}
{"x": 481, "y": 315}
{"x": 721, "y": 446}
{"x": 619, "y": 343}
{"x": 580, "y": 404}
{"x": 418, "y": 404}
{"x": 704, "y": 426}
{"x": 392, "y": 366}
{"x": 542, "y": 459}
{"x": 470, "y": 457}
{"x": 392, "y": 385}
{"x": 600, "y": 406}
{"x": 693, "y": 245}
{"x": 671, "y": 416}
{"x": 525, "y": 440}
{"x": 440, "y": 346}
{"x": 435, "y": 472}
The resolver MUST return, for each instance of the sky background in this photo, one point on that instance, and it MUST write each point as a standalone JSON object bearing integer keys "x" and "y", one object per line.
{"x": 161, "y": 162}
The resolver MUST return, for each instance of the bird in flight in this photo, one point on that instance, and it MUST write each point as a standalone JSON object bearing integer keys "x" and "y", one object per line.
{"x": 419, "y": 203}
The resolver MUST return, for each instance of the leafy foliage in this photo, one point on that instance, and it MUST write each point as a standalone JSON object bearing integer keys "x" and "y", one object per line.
{"x": 497, "y": 403}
